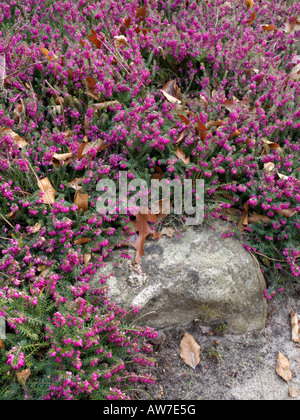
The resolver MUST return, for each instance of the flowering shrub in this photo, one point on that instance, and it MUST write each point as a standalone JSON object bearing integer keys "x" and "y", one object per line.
{"x": 82, "y": 100}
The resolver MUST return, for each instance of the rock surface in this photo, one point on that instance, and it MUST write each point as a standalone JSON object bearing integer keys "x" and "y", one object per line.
{"x": 2, "y": 328}
{"x": 199, "y": 275}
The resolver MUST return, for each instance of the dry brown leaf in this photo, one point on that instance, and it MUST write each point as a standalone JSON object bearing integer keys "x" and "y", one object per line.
{"x": 283, "y": 368}
{"x": 252, "y": 19}
{"x": 171, "y": 98}
{"x": 294, "y": 392}
{"x": 47, "y": 54}
{"x": 181, "y": 137}
{"x": 292, "y": 26}
{"x": 190, "y": 351}
{"x": 201, "y": 128}
{"x": 141, "y": 12}
{"x": 250, "y": 3}
{"x": 105, "y": 105}
{"x": 48, "y": 191}
{"x": 269, "y": 167}
{"x": 271, "y": 146}
{"x": 144, "y": 229}
{"x": 295, "y": 73}
{"x": 82, "y": 201}
{"x": 62, "y": 156}
{"x": 23, "y": 376}
{"x": 168, "y": 231}
{"x": 256, "y": 218}
{"x": 269, "y": 28}
{"x": 20, "y": 141}
{"x": 119, "y": 41}
{"x": 287, "y": 213}
{"x": 82, "y": 241}
{"x": 235, "y": 103}
{"x": 162, "y": 208}
{"x": 181, "y": 155}
{"x": 86, "y": 147}
{"x": 87, "y": 258}
{"x": 172, "y": 89}
{"x": 77, "y": 184}
{"x": 2, "y": 344}
{"x": 295, "y": 322}
{"x": 35, "y": 228}
{"x": 94, "y": 39}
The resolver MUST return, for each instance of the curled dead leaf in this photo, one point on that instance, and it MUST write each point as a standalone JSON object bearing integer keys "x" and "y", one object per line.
{"x": 2, "y": 345}
{"x": 181, "y": 155}
{"x": 87, "y": 258}
{"x": 49, "y": 55}
{"x": 250, "y": 3}
{"x": 35, "y": 228}
{"x": 144, "y": 229}
{"x": 269, "y": 28}
{"x": 77, "y": 184}
{"x": 172, "y": 89}
{"x": 23, "y": 376}
{"x": 48, "y": 191}
{"x": 190, "y": 351}
{"x": 82, "y": 201}
{"x": 168, "y": 231}
{"x": 295, "y": 323}
{"x": 283, "y": 368}
{"x": 269, "y": 167}
{"x": 256, "y": 218}
{"x": 119, "y": 41}
{"x": 294, "y": 392}
{"x": 105, "y": 105}
{"x": 82, "y": 241}
{"x": 20, "y": 141}
{"x": 292, "y": 25}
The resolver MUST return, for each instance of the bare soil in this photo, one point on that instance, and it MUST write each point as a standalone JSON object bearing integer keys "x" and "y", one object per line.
{"x": 232, "y": 367}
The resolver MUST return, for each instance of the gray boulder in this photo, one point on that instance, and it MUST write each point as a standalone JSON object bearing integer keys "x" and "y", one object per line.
{"x": 2, "y": 328}
{"x": 199, "y": 275}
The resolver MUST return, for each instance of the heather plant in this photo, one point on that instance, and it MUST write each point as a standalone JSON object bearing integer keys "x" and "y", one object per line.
{"x": 189, "y": 90}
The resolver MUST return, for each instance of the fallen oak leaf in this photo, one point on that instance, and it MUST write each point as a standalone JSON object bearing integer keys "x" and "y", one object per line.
{"x": 143, "y": 228}
{"x": 141, "y": 12}
{"x": 201, "y": 128}
{"x": 190, "y": 351}
{"x": 95, "y": 40}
